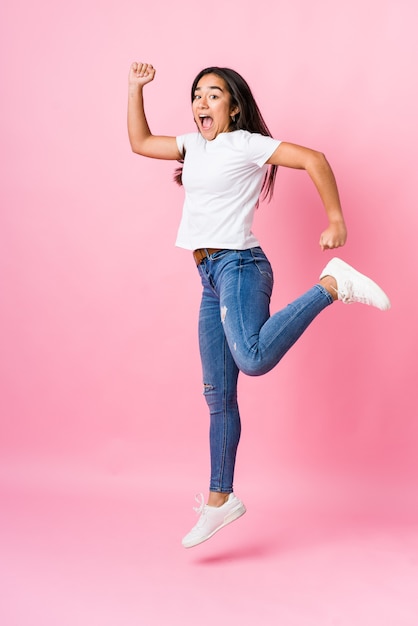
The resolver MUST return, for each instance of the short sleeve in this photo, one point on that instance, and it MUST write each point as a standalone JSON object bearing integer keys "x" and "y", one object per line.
{"x": 181, "y": 143}
{"x": 260, "y": 148}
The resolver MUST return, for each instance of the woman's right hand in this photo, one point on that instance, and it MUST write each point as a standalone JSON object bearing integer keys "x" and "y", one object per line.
{"x": 141, "y": 73}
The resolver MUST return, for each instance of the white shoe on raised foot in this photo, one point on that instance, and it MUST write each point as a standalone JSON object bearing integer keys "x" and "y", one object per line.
{"x": 355, "y": 287}
{"x": 212, "y": 519}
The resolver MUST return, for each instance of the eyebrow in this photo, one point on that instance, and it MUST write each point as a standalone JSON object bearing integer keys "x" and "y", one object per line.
{"x": 211, "y": 87}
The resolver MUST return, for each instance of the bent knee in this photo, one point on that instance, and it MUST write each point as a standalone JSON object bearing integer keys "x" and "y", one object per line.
{"x": 254, "y": 368}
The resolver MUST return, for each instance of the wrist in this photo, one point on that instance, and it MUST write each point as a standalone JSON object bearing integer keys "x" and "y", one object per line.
{"x": 335, "y": 218}
{"x": 135, "y": 93}
{"x": 134, "y": 88}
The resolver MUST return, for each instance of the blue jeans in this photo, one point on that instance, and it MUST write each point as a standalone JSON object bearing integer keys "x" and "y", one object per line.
{"x": 237, "y": 333}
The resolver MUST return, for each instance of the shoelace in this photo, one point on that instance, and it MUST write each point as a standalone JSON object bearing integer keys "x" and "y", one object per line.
{"x": 200, "y": 510}
{"x": 201, "y": 501}
{"x": 346, "y": 294}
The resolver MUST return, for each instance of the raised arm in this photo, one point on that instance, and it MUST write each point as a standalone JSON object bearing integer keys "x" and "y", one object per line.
{"x": 141, "y": 139}
{"x": 318, "y": 168}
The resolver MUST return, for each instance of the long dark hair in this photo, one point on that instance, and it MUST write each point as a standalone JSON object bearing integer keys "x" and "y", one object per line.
{"x": 249, "y": 116}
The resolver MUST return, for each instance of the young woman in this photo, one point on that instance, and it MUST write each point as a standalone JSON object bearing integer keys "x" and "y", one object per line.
{"x": 227, "y": 164}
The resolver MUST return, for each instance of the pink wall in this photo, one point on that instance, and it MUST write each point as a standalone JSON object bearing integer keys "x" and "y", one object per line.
{"x": 99, "y": 364}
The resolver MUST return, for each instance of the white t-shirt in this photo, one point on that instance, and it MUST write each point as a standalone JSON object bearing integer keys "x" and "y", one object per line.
{"x": 222, "y": 180}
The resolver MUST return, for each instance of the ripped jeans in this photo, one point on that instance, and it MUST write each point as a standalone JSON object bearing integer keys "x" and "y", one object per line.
{"x": 237, "y": 333}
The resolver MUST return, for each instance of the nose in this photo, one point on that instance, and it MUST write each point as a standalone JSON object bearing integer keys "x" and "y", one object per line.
{"x": 202, "y": 102}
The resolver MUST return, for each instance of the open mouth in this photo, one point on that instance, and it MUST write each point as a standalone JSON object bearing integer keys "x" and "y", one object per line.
{"x": 206, "y": 121}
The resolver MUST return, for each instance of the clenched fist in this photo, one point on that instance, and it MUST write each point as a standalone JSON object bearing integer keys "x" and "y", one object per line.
{"x": 141, "y": 73}
{"x": 334, "y": 236}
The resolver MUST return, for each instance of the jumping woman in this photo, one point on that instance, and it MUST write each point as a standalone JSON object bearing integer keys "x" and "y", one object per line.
{"x": 228, "y": 164}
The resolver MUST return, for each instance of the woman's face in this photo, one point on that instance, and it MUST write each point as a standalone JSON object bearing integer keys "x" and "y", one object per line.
{"x": 212, "y": 108}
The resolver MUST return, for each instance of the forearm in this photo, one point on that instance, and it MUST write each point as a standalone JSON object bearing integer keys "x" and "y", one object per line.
{"x": 335, "y": 235}
{"x": 323, "y": 178}
{"x": 141, "y": 139}
{"x": 138, "y": 129}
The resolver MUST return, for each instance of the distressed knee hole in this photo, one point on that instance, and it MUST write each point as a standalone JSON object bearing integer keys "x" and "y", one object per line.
{"x": 207, "y": 387}
{"x": 224, "y": 309}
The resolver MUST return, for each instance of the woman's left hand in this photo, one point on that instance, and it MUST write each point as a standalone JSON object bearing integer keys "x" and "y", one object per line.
{"x": 334, "y": 236}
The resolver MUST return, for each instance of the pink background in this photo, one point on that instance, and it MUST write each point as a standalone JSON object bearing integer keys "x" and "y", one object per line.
{"x": 103, "y": 430}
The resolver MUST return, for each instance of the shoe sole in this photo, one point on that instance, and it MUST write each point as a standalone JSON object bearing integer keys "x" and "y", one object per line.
{"x": 231, "y": 517}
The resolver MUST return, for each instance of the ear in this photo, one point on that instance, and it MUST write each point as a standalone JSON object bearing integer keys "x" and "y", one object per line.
{"x": 234, "y": 111}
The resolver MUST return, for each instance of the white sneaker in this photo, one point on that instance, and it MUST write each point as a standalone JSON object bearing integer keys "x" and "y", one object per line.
{"x": 212, "y": 519}
{"x": 355, "y": 287}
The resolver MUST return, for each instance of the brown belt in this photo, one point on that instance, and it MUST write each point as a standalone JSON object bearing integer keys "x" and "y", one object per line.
{"x": 203, "y": 253}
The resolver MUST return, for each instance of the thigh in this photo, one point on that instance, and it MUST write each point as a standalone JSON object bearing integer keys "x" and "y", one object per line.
{"x": 218, "y": 367}
{"x": 245, "y": 293}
